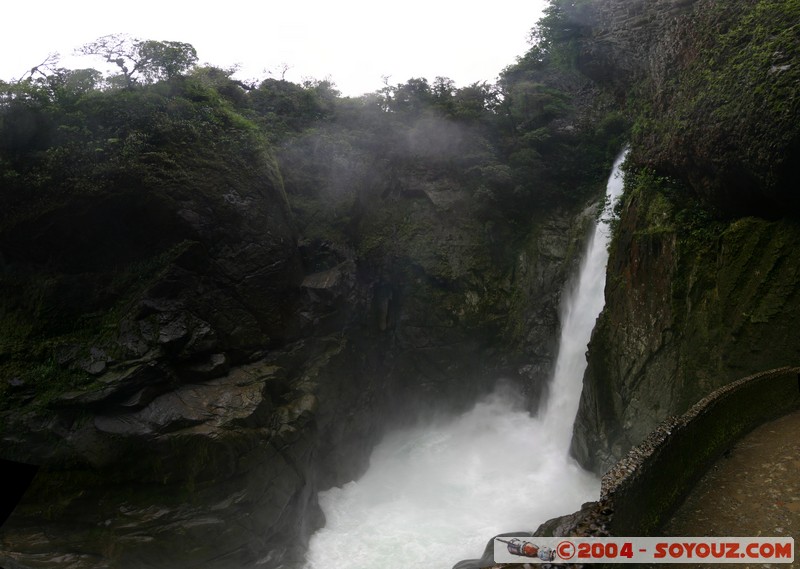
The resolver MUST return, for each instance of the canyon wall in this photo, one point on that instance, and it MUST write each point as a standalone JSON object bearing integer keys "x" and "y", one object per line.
{"x": 190, "y": 365}
{"x": 702, "y": 287}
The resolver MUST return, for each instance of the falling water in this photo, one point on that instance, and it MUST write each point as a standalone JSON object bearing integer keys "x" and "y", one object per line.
{"x": 434, "y": 494}
{"x": 578, "y": 317}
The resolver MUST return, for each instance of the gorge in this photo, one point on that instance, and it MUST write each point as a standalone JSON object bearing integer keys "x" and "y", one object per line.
{"x": 219, "y": 299}
{"x": 437, "y": 491}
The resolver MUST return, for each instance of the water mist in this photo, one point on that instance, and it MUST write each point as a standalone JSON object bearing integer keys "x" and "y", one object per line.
{"x": 435, "y": 494}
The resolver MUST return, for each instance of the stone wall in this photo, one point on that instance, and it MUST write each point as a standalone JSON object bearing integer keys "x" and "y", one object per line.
{"x": 643, "y": 489}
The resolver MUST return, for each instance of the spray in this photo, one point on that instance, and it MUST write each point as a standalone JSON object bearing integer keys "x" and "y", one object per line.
{"x": 434, "y": 493}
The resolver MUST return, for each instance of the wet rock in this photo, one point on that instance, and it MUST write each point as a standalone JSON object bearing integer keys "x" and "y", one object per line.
{"x": 215, "y": 365}
{"x": 655, "y": 352}
{"x": 96, "y": 363}
{"x": 213, "y": 404}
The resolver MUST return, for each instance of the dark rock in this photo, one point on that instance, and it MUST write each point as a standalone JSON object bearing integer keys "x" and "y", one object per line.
{"x": 96, "y": 363}
{"x": 237, "y": 374}
{"x": 214, "y": 365}
{"x": 677, "y": 315}
{"x": 16, "y": 382}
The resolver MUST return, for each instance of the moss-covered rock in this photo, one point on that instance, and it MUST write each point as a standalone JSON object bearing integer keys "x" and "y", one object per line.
{"x": 691, "y": 304}
{"x": 725, "y": 118}
{"x": 136, "y": 284}
{"x": 172, "y": 245}
{"x": 701, "y": 285}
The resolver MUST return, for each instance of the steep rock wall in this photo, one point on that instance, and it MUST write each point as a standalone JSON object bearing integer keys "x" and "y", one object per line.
{"x": 246, "y": 372}
{"x": 687, "y": 311}
{"x": 713, "y": 87}
{"x": 630, "y": 40}
{"x": 701, "y": 285}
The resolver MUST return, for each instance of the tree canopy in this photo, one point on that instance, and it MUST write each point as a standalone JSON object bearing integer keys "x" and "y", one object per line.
{"x": 513, "y": 146}
{"x": 144, "y": 61}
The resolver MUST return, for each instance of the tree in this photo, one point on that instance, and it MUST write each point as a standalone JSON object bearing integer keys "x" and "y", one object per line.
{"x": 284, "y": 106}
{"x": 475, "y": 101}
{"x": 556, "y": 34}
{"x": 146, "y": 61}
{"x": 412, "y": 96}
{"x": 43, "y": 69}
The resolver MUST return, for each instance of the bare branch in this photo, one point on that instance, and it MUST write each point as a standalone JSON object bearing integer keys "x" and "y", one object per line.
{"x": 147, "y": 61}
{"x": 48, "y": 65}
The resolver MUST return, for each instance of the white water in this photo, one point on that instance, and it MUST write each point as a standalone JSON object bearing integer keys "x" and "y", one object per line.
{"x": 434, "y": 495}
{"x": 577, "y": 321}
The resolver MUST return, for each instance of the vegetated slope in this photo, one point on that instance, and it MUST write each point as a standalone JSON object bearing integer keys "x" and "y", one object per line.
{"x": 148, "y": 252}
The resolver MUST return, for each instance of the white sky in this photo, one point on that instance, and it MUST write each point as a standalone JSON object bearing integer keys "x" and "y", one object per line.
{"x": 355, "y": 42}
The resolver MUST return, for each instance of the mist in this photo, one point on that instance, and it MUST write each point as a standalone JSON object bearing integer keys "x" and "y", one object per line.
{"x": 436, "y": 493}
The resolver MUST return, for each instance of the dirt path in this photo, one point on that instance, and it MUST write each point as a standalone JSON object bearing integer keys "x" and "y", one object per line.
{"x": 752, "y": 491}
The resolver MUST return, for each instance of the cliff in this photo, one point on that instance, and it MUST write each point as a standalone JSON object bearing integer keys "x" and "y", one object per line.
{"x": 215, "y": 302}
{"x": 689, "y": 308}
{"x": 701, "y": 287}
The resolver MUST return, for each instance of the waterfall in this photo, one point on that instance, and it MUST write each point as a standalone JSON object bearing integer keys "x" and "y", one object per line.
{"x": 579, "y": 313}
{"x": 435, "y": 493}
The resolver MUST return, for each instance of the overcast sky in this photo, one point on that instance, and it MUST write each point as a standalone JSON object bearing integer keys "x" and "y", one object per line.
{"x": 355, "y": 42}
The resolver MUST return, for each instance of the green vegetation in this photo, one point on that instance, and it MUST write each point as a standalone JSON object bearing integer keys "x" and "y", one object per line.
{"x": 92, "y": 174}
{"x": 419, "y": 178}
{"x": 143, "y": 61}
{"x": 667, "y": 205}
{"x": 726, "y": 289}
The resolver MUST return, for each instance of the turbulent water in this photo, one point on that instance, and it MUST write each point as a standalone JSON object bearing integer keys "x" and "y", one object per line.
{"x": 434, "y": 495}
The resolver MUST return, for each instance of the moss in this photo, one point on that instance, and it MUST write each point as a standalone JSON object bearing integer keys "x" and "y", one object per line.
{"x": 726, "y": 118}
{"x": 91, "y": 217}
{"x": 694, "y": 301}
{"x": 44, "y": 353}
{"x": 735, "y": 296}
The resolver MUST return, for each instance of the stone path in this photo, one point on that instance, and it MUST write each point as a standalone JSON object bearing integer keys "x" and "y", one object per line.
{"x": 752, "y": 491}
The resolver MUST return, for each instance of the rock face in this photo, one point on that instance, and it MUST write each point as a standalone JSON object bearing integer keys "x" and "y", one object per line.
{"x": 683, "y": 317}
{"x": 217, "y": 462}
{"x": 701, "y": 285}
{"x": 151, "y": 419}
{"x": 208, "y": 369}
{"x": 715, "y": 85}
{"x": 626, "y": 41}
{"x": 543, "y": 267}
{"x": 182, "y": 481}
